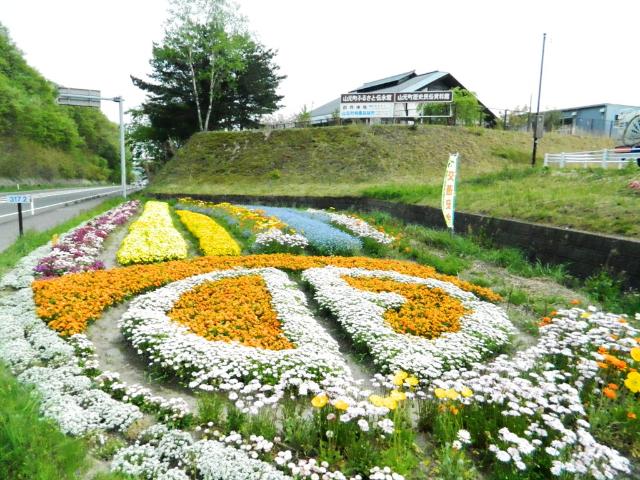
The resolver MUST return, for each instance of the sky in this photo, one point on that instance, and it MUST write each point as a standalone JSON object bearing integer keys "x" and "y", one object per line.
{"x": 328, "y": 47}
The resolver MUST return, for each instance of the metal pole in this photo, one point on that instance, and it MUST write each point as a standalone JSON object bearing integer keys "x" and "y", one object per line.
{"x": 20, "y": 218}
{"x": 123, "y": 164}
{"x": 535, "y": 130}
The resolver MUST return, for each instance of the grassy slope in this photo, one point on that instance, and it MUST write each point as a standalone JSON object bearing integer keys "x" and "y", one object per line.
{"x": 397, "y": 163}
{"x": 300, "y": 160}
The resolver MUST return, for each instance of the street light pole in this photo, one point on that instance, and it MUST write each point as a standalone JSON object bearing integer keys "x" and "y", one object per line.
{"x": 535, "y": 130}
{"x": 123, "y": 164}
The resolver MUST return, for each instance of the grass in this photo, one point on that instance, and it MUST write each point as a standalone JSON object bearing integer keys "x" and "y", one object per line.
{"x": 397, "y": 163}
{"x": 30, "y": 447}
{"x": 591, "y": 199}
{"x": 296, "y": 161}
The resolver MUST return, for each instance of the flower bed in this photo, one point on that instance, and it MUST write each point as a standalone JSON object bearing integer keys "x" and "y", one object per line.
{"x": 425, "y": 312}
{"x": 152, "y": 238}
{"x": 541, "y": 412}
{"x": 529, "y": 407}
{"x": 210, "y": 365}
{"x": 362, "y": 314}
{"x": 213, "y": 239}
{"x": 78, "y": 250}
{"x": 69, "y": 303}
{"x": 267, "y": 234}
{"x": 324, "y": 238}
{"x": 234, "y": 309}
{"x": 356, "y": 225}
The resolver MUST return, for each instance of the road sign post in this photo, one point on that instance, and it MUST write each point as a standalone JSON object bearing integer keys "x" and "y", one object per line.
{"x": 19, "y": 200}
{"x": 91, "y": 98}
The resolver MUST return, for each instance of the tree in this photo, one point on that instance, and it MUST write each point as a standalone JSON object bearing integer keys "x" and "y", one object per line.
{"x": 207, "y": 74}
{"x": 466, "y": 107}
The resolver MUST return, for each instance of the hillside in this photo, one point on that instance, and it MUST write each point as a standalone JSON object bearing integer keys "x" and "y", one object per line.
{"x": 335, "y": 160}
{"x": 403, "y": 164}
{"x": 41, "y": 141}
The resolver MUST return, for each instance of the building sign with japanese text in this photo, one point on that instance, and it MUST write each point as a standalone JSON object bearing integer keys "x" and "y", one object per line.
{"x": 424, "y": 97}
{"x": 449, "y": 190}
{"x": 382, "y": 104}
{"x": 366, "y": 110}
{"x": 366, "y": 97}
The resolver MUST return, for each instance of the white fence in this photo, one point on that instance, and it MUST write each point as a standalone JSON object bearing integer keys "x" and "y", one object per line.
{"x": 603, "y": 158}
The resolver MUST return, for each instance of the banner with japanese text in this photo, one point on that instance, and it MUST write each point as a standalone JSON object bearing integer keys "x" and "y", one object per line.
{"x": 449, "y": 190}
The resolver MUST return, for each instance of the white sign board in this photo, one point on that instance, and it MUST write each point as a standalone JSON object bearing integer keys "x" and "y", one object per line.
{"x": 78, "y": 97}
{"x": 449, "y": 190}
{"x": 17, "y": 199}
{"x": 366, "y": 110}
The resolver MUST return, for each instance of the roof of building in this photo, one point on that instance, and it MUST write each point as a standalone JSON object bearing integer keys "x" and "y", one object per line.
{"x": 384, "y": 81}
{"x": 401, "y": 83}
{"x": 597, "y": 105}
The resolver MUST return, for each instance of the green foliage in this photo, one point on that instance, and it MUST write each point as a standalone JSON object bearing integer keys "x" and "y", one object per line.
{"x": 304, "y": 115}
{"x": 31, "y": 447}
{"x": 206, "y": 75}
{"x": 60, "y": 142}
{"x": 609, "y": 292}
{"x": 466, "y": 108}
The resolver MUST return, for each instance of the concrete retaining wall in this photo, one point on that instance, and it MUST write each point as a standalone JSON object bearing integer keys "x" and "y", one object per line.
{"x": 584, "y": 253}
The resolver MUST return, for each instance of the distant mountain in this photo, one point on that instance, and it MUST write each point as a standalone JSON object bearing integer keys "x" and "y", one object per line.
{"x": 41, "y": 141}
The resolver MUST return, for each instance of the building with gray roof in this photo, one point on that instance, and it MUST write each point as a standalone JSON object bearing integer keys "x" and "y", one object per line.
{"x": 407, "y": 82}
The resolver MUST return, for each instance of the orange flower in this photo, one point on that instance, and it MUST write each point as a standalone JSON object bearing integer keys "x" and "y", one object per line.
{"x": 70, "y": 302}
{"x": 607, "y": 392}
{"x": 544, "y": 321}
{"x": 602, "y": 350}
{"x": 428, "y": 312}
{"x": 575, "y": 301}
{"x": 613, "y": 386}
{"x": 631, "y": 416}
{"x": 553, "y": 313}
{"x": 232, "y": 309}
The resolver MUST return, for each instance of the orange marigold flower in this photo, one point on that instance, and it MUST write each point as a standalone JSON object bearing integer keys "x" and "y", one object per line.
{"x": 613, "y": 386}
{"x": 575, "y": 301}
{"x": 607, "y": 392}
{"x": 631, "y": 416}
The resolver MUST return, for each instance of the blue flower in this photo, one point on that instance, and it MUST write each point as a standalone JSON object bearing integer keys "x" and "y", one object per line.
{"x": 323, "y": 238}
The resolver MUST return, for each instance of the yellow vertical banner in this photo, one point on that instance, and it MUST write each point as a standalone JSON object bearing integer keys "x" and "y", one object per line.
{"x": 449, "y": 190}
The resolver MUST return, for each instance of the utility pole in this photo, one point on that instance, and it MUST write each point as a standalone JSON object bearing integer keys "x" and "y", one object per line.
{"x": 535, "y": 130}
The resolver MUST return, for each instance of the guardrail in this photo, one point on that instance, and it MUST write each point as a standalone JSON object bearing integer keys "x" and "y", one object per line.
{"x": 619, "y": 157}
{"x": 92, "y": 193}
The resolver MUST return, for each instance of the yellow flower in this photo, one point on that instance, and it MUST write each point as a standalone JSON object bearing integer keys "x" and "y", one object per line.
{"x": 466, "y": 392}
{"x": 398, "y": 378}
{"x": 398, "y": 395}
{"x": 585, "y": 315}
{"x": 412, "y": 381}
{"x": 390, "y": 403}
{"x": 320, "y": 401}
{"x": 376, "y": 400}
{"x": 632, "y": 382}
{"x": 440, "y": 393}
{"x": 452, "y": 394}
{"x": 341, "y": 405}
{"x": 54, "y": 239}
{"x": 635, "y": 353}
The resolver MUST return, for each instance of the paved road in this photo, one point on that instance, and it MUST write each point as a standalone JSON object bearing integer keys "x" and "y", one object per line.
{"x": 51, "y": 207}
